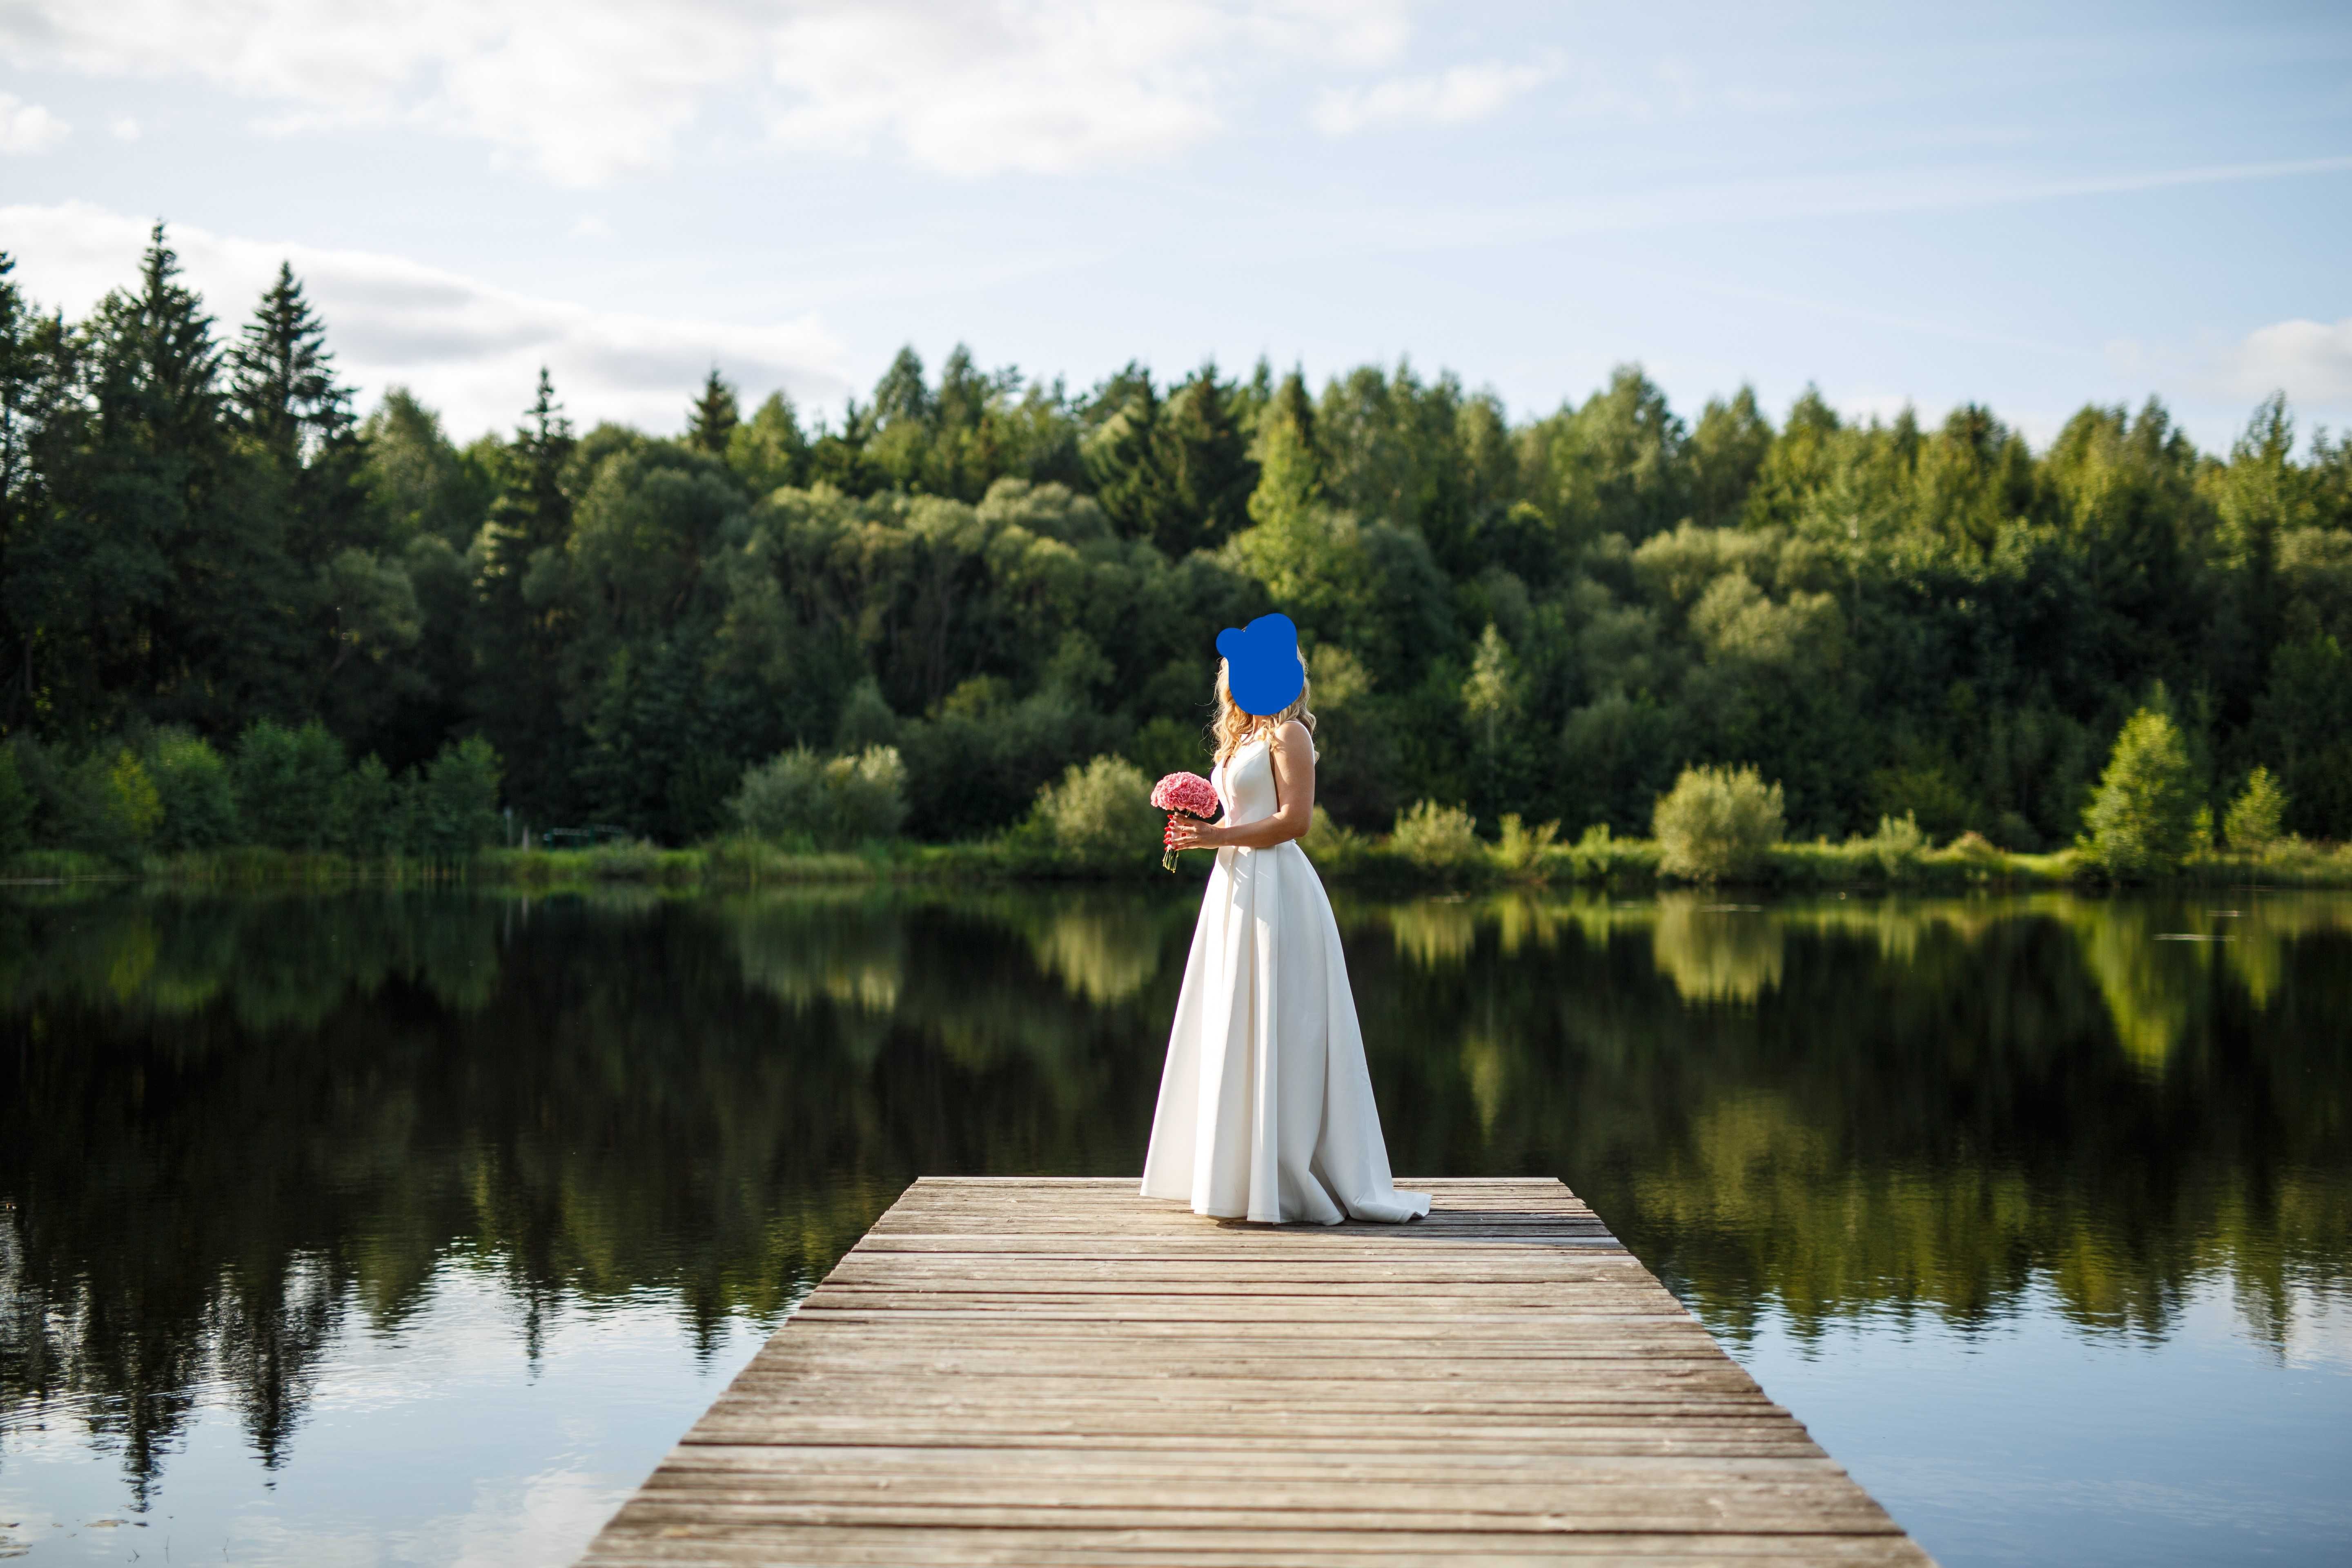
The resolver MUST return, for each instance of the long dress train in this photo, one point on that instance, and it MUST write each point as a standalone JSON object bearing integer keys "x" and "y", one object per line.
{"x": 1266, "y": 1105}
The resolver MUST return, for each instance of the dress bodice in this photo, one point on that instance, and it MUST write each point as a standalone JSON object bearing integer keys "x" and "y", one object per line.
{"x": 1244, "y": 782}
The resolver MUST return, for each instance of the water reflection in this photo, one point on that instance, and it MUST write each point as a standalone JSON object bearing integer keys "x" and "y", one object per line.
{"x": 234, "y": 1129}
{"x": 1847, "y": 1106}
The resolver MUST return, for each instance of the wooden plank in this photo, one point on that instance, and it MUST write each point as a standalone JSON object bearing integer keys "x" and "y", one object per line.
{"x": 1057, "y": 1371}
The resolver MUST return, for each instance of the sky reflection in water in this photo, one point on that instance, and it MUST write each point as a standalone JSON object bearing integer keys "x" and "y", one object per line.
{"x": 387, "y": 1228}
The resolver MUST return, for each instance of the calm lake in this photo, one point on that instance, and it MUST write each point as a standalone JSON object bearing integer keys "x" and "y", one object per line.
{"x": 399, "y": 1227}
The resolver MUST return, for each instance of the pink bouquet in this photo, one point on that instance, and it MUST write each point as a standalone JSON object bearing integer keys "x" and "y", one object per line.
{"x": 1188, "y": 792}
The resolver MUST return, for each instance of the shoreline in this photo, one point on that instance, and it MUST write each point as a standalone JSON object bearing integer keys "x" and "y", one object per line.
{"x": 1346, "y": 860}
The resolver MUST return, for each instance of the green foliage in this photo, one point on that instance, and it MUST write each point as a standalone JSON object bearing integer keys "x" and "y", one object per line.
{"x": 420, "y": 484}
{"x": 1521, "y": 849}
{"x": 198, "y": 798}
{"x": 1167, "y": 746}
{"x": 132, "y": 805}
{"x": 801, "y": 799}
{"x": 1898, "y": 845}
{"x": 1437, "y": 837}
{"x": 1717, "y": 824}
{"x": 1336, "y": 849}
{"x": 371, "y": 811}
{"x": 1100, "y": 814}
{"x": 2258, "y": 816}
{"x": 711, "y": 423}
{"x": 286, "y": 784}
{"x": 1547, "y": 616}
{"x": 2304, "y": 720}
{"x": 16, "y": 808}
{"x": 456, "y": 805}
{"x": 769, "y": 451}
{"x": 2141, "y": 822}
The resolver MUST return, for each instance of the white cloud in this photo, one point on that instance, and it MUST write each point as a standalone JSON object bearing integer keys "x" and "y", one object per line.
{"x": 27, "y": 127}
{"x": 2310, "y": 361}
{"x": 125, "y": 129}
{"x": 587, "y": 90}
{"x": 1450, "y": 97}
{"x": 471, "y": 350}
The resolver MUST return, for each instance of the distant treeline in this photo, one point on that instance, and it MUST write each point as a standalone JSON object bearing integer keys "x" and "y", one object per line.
{"x": 1000, "y": 578}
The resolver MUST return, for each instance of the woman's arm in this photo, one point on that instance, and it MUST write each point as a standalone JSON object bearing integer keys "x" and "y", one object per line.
{"x": 1293, "y": 792}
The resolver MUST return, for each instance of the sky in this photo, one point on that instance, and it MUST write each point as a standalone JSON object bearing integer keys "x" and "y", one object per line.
{"x": 2032, "y": 208}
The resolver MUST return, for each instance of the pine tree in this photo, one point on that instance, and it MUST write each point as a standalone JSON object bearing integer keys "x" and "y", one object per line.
{"x": 1290, "y": 469}
{"x": 284, "y": 393}
{"x": 1127, "y": 459}
{"x": 282, "y": 377}
{"x": 519, "y": 636}
{"x": 20, "y": 483}
{"x": 1210, "y": 465}
{"x": 715, "y": 415}
{"x": 2142, "y": 820}
{"x": 164, "y": 567}
{"x": 900, "y": 395}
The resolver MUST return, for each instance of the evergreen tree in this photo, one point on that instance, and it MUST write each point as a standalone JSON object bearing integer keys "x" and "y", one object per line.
{"x": 160, "y": 568}
{"x": 713, "y": 422}
{"x": 519, "y": 641}
{"x": 1210, "y": 465}
{"x": 21, "y": 399}
{"x": 1128, "y": 458}
{"x": 900, "y": 395}
{"x": 964, "y": 393}
{"x": 1290, "y": 469}
{"x": 1727, "y": 449}
{"x": 2142, "y": 821}
{"x": 282, "y": 379}
{"x": 769, "y": 451}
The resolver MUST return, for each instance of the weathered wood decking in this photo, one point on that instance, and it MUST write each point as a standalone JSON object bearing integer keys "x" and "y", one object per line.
{"x": 1060, "y": 1372}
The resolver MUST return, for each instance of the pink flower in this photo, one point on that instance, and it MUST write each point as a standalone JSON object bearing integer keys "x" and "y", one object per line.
{"x": 1187, "y": 793}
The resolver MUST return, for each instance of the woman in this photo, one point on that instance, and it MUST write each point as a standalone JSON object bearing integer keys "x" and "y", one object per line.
{"x": 1266, "y": 1106}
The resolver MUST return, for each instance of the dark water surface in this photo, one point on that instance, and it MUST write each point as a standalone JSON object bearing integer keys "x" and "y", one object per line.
{"x": 413, "y": 1228}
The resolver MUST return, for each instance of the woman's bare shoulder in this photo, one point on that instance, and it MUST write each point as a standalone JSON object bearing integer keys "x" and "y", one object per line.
{"x": 1294, "y": 739}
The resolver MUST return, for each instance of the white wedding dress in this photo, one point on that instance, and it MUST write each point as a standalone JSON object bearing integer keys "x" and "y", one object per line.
{"x": 1266, "y": 1106}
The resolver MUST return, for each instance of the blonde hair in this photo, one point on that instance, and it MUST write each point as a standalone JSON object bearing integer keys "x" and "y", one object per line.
{"x": 1231, "y": 728}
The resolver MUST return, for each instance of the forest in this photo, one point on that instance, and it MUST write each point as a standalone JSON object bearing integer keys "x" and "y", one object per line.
{"x": 234, "y": 609}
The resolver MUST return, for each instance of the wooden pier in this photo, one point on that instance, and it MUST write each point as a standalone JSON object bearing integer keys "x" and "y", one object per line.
{"x": 1061, "y": 1372}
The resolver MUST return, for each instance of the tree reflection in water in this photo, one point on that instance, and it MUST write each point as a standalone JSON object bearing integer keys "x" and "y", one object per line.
{"x": 230, "y": 1127}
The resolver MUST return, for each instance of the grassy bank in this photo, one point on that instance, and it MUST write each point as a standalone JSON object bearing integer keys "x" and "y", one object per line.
{"x": 1342, "y": 857}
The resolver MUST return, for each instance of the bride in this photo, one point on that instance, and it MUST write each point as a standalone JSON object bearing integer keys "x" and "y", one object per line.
{"x": 1266, "y": 1105}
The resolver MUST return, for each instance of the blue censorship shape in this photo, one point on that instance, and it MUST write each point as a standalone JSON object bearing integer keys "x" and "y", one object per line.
{"x": 1262, "y": 666}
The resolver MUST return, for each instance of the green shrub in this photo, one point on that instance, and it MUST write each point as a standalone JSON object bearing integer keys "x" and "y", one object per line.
{"x": 1332, "y": 847}
{"x": 371, "y": 812}
{"x": 1167, "y": 745}
{"x": 2142, "y": 821}
{"x": 1437, "y": 837}
{"x": 1522, "y": 848}
{"x": 1596, "y": 853}
{"x": 1898, "y": 845}
{"x": 1716, "y": 823}
{"x": 67, "y": 800}
{"x": 16, "y": 808}
{"x": 1101, "y": 815}
{"x": 457, "y": 806}
{"x": 132, "y": 805}
{"x": 2258, "y": 816}
{"x": 286, "y": 784}
{"x": 199, "y": 803}
{"x": 801, "y": 799}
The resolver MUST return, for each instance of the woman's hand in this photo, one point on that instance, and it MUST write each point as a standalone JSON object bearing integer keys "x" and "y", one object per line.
{"x": 1186, "y": 832}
